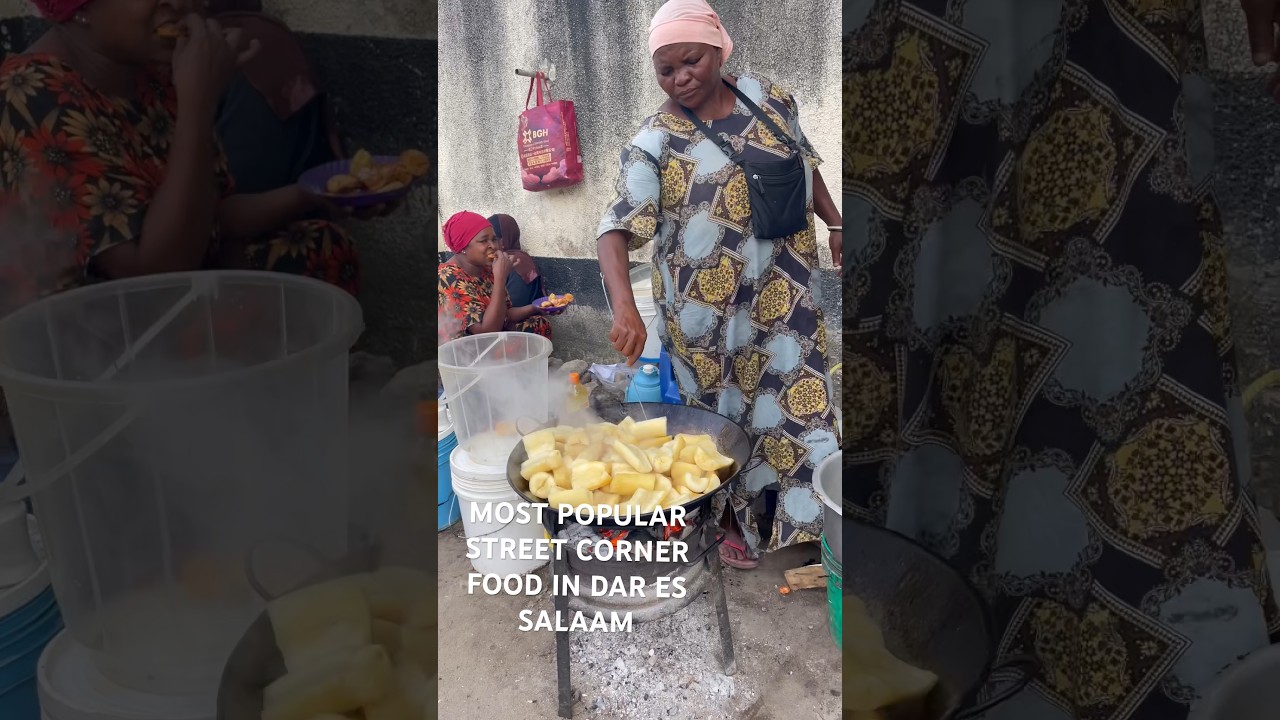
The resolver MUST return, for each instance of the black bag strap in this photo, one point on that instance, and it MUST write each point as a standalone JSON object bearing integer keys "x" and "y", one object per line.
{"x": 719, "y": 139}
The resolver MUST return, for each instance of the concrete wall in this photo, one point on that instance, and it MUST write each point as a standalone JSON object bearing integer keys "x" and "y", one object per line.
{"x": 601, "y": 58}
{"x": 1248, "y": 152}
{"x": 376, "y": 58}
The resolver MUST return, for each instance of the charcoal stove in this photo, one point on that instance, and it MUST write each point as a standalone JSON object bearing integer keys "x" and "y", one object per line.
{"x": 701, "y": 572}
{"x": 698, "y": 536}
{"x": 702, "y": 569}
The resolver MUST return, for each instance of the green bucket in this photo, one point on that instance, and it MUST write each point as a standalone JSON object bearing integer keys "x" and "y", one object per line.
{"x": 835, "y": 601}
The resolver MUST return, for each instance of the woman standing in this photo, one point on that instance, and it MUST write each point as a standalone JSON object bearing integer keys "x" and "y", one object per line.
{"x": 732, "y": 270}
{"x": 473, "y": 284}
{"x": 1041, "y": 381}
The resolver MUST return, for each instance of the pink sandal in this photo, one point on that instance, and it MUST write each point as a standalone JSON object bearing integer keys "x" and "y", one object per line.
{"x": 735, "y": 553}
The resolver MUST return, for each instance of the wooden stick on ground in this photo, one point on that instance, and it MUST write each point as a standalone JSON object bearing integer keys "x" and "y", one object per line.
{"x": 804, "y": 578}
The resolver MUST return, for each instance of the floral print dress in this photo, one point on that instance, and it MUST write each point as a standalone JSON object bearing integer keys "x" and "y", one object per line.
{"x": 78, "y": 171}
{"x": 1039, "y": 370}
{"x": 737, "y": 313}
{"x": 89, "y": 165}
{"x": 464, "y": 298}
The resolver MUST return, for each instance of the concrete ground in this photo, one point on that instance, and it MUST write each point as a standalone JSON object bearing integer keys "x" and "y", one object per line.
{"x": 788, "y": 665}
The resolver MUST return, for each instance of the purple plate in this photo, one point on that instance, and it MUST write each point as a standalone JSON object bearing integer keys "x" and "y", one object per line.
{"x": 316, "y": 179}
{"x": 551, "y": 311}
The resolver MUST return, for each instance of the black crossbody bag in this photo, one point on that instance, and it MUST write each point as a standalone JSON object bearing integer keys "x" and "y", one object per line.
{"x": 776, "y": 188}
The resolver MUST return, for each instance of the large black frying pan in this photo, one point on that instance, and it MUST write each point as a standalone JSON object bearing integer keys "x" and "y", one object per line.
{"x": 932, "y": 618}
{"x": 731, "y": 441}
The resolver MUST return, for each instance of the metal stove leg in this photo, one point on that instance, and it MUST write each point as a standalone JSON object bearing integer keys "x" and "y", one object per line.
{"x": 561, "y": 603}
{"x": 722, "y": 613}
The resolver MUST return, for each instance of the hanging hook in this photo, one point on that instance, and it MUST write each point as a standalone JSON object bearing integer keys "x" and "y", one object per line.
{"x": 548, "y": 70}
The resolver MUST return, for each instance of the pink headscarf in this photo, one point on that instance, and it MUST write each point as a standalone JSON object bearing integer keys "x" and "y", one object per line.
{"x": 461, "y": 228}
{"x": 679, "y": 21}
{"x": 59, "y": 10}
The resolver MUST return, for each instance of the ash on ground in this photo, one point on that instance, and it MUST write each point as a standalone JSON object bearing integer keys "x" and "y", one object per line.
{"x": 665, "y": 668}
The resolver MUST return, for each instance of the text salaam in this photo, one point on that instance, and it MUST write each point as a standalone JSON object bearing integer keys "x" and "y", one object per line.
{"x": 576, "y": 621}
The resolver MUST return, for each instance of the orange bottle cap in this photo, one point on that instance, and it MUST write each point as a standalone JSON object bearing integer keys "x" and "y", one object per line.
{"x": 573, "y": 378}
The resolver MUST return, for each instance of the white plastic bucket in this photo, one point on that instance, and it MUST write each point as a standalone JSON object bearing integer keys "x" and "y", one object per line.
{"x": 478, "y": 485}
{"x": 652, "y": 343}
{"x": 1246, "y": 691}
{"x": 642, "y": 290}
{"x": 72, "y": 688}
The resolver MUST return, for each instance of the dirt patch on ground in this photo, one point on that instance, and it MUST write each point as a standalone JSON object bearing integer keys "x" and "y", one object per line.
{"x": 788, "y": 666}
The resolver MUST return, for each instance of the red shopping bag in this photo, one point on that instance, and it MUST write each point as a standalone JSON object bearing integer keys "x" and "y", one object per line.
{"x": 548, "y": 142}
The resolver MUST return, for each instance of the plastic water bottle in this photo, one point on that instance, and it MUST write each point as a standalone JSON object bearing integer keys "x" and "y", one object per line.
{"x": 579, "y": 399}
{"x": 646, "y": 386}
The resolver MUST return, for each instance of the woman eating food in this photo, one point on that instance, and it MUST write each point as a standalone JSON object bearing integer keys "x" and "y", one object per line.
{"x": 473, "y": 285}
{"x": 733, "y": 265}
{"x": 108, "y": 130}
{"x": 524, "y": 284}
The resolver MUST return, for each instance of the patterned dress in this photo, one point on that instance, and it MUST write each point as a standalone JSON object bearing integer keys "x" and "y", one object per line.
{"x": 1038, "y": 374}
{"x": 78, "y": 170}
{"x": 91, "y": 164}
{"x": 736, "y": 313}
{"x": 463, "y": 299}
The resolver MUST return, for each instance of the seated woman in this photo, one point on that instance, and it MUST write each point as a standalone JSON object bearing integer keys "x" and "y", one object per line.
{"x": 473, "y": 284}
{"x": 108, "y": 132}
{"x": 524, "y": 284}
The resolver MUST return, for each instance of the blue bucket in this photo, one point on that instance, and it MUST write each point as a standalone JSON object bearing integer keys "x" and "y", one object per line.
{"x": 24, "y": 634}
{"x": 670, "y": 390}
{"x": 448, "y": 510}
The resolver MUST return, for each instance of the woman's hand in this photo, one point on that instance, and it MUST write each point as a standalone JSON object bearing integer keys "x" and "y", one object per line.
{"x": 628, "y": 334}
{"x": 1261, "y": 17}
{"x": 501, "y": 268}
{"x": 835, "y": 239}
{"x": 204, "y": 60}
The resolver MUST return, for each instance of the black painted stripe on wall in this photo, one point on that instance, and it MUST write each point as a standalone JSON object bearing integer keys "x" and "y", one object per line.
{"x": 581, "y": 276}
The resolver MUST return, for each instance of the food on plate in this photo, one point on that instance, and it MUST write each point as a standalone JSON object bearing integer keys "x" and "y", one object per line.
{"x": 342, "y": 184}
{"x": 361, "y": 162}
{"x": 557, "y": 301}
{"x": 879, "y": 686}
{"x": 416, "y": 162}
{"x": 355, "y": 647}
{"x": 630, "y": 464}
{"x": 366, "y": 175}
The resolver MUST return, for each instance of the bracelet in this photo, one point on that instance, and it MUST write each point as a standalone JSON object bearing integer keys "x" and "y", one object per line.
{"x": 835, "y": 227}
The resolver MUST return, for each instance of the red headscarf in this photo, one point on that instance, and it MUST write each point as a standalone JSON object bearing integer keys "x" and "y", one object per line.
{"x": 462, "y": 228}
{"x": 59, "y": 10}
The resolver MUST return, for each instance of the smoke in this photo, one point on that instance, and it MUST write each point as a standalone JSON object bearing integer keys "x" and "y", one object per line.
{"x": 448, "y": 327}
{"x": 392, "y": 479}
{"x": 35, "y": 255}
